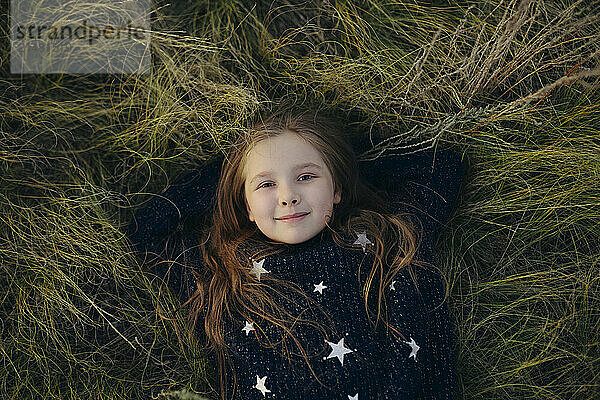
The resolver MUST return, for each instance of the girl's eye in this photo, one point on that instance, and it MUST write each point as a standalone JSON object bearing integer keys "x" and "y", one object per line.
{"x": 305, "y": 177}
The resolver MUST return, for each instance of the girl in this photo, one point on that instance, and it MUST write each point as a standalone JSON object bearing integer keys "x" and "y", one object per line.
{"x": 307, "y": 282}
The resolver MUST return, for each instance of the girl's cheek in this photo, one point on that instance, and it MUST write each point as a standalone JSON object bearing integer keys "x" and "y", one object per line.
{"x": 267, "y": 201}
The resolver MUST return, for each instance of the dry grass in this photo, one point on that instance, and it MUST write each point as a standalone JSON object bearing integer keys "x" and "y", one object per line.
{"x": 511, "y": 85}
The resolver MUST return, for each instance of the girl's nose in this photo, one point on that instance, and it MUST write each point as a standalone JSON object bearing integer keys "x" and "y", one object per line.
{"x": 288, "y": 197}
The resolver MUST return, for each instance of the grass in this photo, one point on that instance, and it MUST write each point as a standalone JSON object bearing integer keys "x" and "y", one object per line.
{"x": 512, "y": 86}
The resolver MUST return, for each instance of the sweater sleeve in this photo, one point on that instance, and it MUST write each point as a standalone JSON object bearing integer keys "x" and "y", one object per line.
{"x": 169, "y": 222}
{"x": 425, "y": 184}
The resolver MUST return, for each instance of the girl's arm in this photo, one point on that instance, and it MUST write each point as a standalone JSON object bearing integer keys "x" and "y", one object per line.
{"x": 425, "y": 184}
{"x": 188, "y": 197}
{"x": 159, "y": 230}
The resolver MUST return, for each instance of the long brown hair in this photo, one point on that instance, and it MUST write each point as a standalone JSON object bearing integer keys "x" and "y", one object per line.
{"x": 226, "y": 287}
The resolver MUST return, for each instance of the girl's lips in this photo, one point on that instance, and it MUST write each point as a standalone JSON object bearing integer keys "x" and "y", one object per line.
{"x": 294, "y": 218}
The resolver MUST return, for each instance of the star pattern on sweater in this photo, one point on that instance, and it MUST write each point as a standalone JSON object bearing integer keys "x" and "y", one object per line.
{"x": 257, "y": 268}
{"x": 338, "y": 350}
{"x": 249, "y": 327}
{"x": 414, "y": 347}
{"x": 355, "y": 397}
{"x": 319, "y": 288}
{"x": 363, "y": 241}
{"x": 392, "y": 285}
{"x": 260, "y": 385}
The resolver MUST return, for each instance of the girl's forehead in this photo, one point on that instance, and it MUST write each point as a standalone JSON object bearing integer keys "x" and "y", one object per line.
{"x": 281, "y": 148}
{"x": 280, "y": 151}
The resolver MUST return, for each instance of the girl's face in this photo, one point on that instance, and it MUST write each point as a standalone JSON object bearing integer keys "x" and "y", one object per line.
{"x": 286, "y": 176}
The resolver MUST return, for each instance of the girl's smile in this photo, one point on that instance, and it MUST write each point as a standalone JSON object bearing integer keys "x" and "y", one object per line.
{"x": 288, "y": 188}
{"x": 293, "y": 217}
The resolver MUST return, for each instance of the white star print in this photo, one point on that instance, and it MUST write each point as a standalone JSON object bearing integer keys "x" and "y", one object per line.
{"x": 355, "y": 397}
{"x": 257, "y": 268}
{"x": 338, "y": 350}
{"x": 260, "y": 385}
{"x": 363, "y": 241}
{"x": 249, "y": 327}
{"x": 319, "y": 288}
{"x": 414, "y": 348}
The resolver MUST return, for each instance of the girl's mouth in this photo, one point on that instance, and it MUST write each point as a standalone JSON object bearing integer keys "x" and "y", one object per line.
{"x": 293, "y": 218}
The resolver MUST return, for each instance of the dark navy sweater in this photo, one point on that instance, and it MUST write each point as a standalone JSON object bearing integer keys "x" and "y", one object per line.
{"x": 352, "y": 359}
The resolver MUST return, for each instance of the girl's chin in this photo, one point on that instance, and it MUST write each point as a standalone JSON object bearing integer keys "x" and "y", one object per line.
{"x": 287, "y": 239}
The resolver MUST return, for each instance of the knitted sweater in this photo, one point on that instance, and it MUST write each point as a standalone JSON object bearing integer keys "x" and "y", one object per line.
{"x": 351, "y": 358}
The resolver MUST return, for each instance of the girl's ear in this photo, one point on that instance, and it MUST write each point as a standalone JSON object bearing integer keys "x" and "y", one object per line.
{"x": 337, "y": 197}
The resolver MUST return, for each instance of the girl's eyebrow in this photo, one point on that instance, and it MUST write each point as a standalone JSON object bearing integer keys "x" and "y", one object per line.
{"x": 297, "y": 167}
